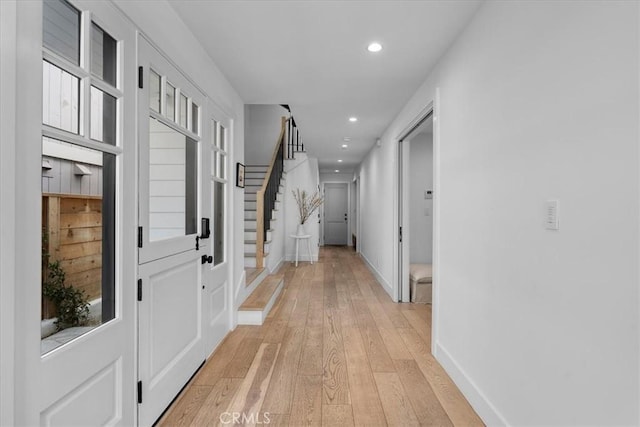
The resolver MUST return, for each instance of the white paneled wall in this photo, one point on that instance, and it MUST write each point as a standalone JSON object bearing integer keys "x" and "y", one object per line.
{"x": 167, "y": 187}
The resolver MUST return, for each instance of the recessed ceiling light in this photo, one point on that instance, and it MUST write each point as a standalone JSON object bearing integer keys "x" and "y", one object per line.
{"x": 344, "y": 145}
{"x": 374, "y": 47}
{"x": 336, "y": 171}
{"x": 353, "y": 119}
{"x": 339, "y": 160}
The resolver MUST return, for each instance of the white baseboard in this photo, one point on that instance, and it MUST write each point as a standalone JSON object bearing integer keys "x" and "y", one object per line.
{"x": 385, "y": 285}
{"x": 277, "y": 266}
{"x": 480, "y": 403}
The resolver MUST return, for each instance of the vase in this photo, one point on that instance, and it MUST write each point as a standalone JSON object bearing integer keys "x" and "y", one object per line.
{"x": 301, "y": 231}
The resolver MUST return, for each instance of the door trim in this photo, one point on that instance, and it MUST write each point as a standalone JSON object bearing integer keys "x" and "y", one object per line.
{"x": 400, "y": 266}
{"x": 322, "y": 218}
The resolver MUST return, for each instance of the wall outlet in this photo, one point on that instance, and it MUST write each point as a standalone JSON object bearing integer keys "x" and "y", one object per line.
{"x": 428, "y": 194}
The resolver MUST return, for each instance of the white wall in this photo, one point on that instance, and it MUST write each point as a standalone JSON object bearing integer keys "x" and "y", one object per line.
{"x": 302, "y": 173}
{"x": 420, "y": 231}
{"x": 263, "y": 124}
{"x": 538, "y": 101}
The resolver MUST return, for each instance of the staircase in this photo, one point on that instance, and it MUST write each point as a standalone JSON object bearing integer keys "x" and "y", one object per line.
{"x": 254, "y": 177}
{"x": 263, "y": 210}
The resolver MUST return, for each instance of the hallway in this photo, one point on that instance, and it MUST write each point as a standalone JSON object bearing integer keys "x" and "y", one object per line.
{"x": 335, "y": 350}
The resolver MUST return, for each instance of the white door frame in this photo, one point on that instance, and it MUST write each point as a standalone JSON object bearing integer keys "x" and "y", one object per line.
{"x": 401, "y": 213}
{"x": 348, "y": 184}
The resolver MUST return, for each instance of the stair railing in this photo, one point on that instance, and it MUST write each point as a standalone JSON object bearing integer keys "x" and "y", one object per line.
{"x": 294, "y": 140}
{"x": 267, "y": 194}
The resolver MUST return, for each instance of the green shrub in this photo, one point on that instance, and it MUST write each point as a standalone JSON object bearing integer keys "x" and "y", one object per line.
{"x": 71, "y": 303}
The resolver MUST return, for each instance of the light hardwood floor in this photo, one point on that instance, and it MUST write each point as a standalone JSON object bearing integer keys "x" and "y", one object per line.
{"x": 334, "y": 351}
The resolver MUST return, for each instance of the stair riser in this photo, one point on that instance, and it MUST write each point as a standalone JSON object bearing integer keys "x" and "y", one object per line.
{"x": 251, "y": 215}
{"x": 251, "y": 247}
{"x": 251, "y": 235}
{"x": 251, "y": 205}
{"x": 250, "y": 262}
{"x": 253, "y": 181}
{"x": 251, "y": 197}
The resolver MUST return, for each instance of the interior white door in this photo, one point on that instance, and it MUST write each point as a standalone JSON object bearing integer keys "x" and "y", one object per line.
{"x": 216, "y": 280}
{"x": 170, "y": 339}
{"x": 336, "y": 218}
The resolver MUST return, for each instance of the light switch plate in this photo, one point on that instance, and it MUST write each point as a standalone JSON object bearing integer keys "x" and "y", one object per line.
{"x": 551, "y": 215}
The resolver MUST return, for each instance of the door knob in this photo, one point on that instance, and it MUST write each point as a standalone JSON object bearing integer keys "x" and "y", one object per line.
{"x": 207, "y": 259}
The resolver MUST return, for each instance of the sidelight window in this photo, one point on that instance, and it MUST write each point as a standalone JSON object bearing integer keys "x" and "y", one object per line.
{"x": 80, "y": 152}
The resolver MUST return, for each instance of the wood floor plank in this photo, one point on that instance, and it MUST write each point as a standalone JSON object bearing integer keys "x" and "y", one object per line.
{"x": 186, "y": 406}
{"x": 451, "y": 399}
{"x": 306, "y": 408}
{"x": 242, "y": 359}
{"x": 365, "y": 400}
{"x": 276, "y": 420}
{"x": 423, "y": 399}
{"x": 334, "y": 367}
{"x": 337, "y": 415}
{"x": 395, "y": 402}
{"x": 376, "y": 350}
{"x": 217, "y": 402}
{"x": 212, "y": 372}
{"x": 312, "y": 347}
{"x": 394, "y": 344}
{"x": 280, "y": 391}
{"x": 419, "y": 325}
{"x": 274, "y": 330}
{"x": 250, "y": 395}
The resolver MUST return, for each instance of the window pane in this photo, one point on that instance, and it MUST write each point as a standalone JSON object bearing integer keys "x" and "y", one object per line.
{"x": 218, "y": 223}
{"x": 194, "y": 118}
{"x": 170, "y": 107}
{"x": 103, "y": 116}
{"x": 222, "y": 139}
{"x": 154, "y": 91}
{"x": 103, "y": 55}
{"x": 173, "y": 185}
{"x": 61, "y": 29}
{"x": 183, "y": 110}
{"x": 60, "y": 98}
{"x": 221, "y": 169}
{"x": 78, "y": 241}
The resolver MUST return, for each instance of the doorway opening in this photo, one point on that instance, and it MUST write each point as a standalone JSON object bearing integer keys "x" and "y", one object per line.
{"x": 415, "y": 211}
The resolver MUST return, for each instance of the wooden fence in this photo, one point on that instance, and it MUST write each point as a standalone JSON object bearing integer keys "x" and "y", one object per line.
{"x": 73, "y": 228}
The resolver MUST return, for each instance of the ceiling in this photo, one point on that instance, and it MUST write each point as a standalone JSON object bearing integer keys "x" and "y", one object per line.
{"x": 313, "y": 56}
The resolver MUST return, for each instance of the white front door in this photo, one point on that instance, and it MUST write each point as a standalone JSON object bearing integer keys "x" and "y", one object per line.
{"x": 170, "y": 339}
{"x": 336, "y": 217}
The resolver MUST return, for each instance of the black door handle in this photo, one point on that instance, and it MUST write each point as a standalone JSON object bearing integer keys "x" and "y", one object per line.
{"x": 207, "y": 259}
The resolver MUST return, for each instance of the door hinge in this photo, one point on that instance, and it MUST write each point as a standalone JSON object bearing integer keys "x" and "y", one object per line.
{"x": 400, "y": 234}
{"x": 139, "y": 237}
{"x": 140, "y": 77}
{"x": 139, "y": 289}
{"x": 197, "y": 243}
{"x": 139, "y": 391}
